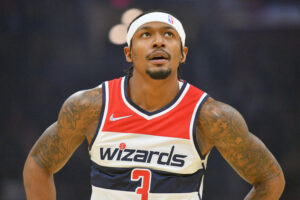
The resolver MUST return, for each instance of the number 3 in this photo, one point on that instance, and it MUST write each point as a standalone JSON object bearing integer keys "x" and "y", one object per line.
{"x": 145, "y": 174}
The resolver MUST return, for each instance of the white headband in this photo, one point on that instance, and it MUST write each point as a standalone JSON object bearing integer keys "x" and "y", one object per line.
{"x": 156, "y": 17}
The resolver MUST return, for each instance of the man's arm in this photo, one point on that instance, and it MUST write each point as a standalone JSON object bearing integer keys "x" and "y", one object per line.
{"x": 225, "y": 128}
{"x": 78, "y": 119}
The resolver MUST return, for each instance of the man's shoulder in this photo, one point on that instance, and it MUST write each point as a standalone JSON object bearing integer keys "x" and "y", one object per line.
{"x": 216, "y": 119}
{"x": 85, "y": 100}
{"x": 80, "y": 112}
{"x": 215, "y": 109}
{"x": 90, "y": 98}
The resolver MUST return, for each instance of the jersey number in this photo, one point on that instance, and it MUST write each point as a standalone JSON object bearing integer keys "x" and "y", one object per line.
{"x": 145, "y": 175}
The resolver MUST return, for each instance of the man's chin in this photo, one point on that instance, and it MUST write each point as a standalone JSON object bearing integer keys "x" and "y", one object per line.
{"x": 160, "y": 74}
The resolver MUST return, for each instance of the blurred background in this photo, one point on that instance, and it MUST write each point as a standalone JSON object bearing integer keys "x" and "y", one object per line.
{"x": 245, "y": 53}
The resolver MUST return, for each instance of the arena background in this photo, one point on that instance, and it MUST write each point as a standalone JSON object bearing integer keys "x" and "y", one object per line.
{"x": 245, "y": 53}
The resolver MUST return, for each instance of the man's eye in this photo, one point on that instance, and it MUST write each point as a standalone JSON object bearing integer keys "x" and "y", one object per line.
{"x": 146, "y": 34}
{"x": 169, "y": 34}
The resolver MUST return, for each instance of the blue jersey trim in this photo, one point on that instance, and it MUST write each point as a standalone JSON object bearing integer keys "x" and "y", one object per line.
{"x": 101, "y": 115}
{"x": 154, "y": 112}
{"x": 161, "y": 182}
{"x": 195, "y": 127}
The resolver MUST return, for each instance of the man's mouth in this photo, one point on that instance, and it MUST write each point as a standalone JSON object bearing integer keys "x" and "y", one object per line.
{"x": 159, "y": 57}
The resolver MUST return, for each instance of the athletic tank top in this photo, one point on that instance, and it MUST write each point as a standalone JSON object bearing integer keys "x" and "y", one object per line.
{"x": 140, "y": 155}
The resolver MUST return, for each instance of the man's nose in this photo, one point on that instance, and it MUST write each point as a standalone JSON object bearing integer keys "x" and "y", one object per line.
{"x": 158, "y": 41}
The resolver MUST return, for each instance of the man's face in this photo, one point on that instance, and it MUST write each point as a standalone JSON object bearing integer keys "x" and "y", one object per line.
{"x": 156, "y": 50}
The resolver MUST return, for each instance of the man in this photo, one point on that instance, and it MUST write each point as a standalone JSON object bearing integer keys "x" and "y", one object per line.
{"x": 150, "y": 133}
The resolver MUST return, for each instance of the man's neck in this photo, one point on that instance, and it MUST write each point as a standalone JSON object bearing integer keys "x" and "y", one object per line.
{"x": 150, "y": 94}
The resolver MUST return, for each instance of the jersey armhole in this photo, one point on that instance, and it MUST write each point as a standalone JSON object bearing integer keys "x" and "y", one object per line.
{"x": 202, "y": 100}
{"x": 101, "y": 121}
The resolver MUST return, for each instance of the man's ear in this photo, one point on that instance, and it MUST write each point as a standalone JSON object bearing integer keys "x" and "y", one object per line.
{"x": 184, "y": 54}
{"x": 127, "y": 52}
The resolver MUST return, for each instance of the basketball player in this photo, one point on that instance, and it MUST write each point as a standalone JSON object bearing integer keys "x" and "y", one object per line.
{"x": 150, "y": 133}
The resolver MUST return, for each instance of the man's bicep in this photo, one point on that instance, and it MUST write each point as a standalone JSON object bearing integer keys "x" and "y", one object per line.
{"x": 245, "y": 152}
{"x": 227, "y": 130}
{"x": 77, "y": 118}
{"x": 53, "y": 149}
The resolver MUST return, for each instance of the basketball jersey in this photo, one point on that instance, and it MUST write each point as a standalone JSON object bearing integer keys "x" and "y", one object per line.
{"x": 140, "y": 155}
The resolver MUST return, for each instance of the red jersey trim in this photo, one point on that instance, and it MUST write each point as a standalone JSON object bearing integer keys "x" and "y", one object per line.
{"x": 174, "y": 121}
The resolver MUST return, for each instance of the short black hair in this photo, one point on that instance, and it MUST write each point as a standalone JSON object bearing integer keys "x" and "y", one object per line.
{"x": 129, "y": 70}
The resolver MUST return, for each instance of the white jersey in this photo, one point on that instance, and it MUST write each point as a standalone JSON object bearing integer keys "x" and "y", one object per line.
{"x": 140, "y": 155}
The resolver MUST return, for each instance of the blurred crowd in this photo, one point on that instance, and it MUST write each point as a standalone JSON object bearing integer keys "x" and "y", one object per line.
{"x": 51, "y": 49}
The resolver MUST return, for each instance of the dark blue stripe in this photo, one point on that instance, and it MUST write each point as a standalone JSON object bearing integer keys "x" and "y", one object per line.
{"x": 154, "y": 112}
{"x": 195, "y": 126}
{"x": 161, "y": 182}
{"x": 101, "y": 115}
